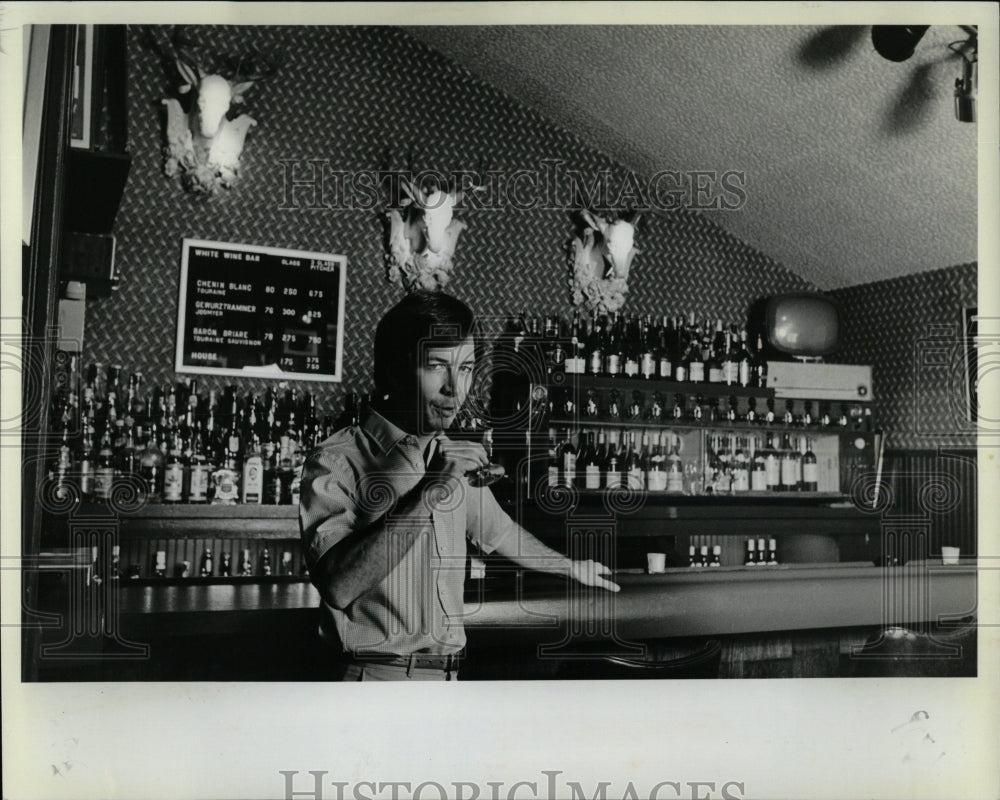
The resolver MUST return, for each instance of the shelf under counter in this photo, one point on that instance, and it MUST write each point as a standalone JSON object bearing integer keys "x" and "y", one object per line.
{"x": 218, "y": 521}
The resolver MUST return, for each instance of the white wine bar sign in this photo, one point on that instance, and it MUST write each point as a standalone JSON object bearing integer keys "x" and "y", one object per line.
{"x": 260, "y": 312}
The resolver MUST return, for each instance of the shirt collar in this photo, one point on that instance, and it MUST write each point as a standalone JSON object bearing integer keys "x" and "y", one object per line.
{"x": 388, "y": 435}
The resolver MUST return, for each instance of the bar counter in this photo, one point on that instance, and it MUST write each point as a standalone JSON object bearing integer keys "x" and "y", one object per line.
{"x": 679, "y": 602}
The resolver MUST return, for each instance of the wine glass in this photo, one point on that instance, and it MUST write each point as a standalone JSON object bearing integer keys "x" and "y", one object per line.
{"x": 490, "y": 473}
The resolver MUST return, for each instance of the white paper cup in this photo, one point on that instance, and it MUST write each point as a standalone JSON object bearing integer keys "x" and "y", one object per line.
{"x": 949, "y": 555}
{"x": 657, "y": 562}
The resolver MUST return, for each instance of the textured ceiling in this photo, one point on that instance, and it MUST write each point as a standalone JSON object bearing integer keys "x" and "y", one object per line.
{"x": 857, "y": 169}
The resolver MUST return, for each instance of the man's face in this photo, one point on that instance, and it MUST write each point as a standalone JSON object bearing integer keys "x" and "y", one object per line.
{"x": 443, "y": 380}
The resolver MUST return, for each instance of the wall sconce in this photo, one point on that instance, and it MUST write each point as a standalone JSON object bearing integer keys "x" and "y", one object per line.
{"x": 602, "y": 258}
{"x": 423, "y": 234}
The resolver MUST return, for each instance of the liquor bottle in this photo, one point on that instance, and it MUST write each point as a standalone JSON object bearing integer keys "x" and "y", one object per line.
{"x": 772, "y": 465}
{"x": 246, "y": 567}
{"x": 761, "y": 552}
{"x": 714, "y": 354}
{"x": 594, "y": 348}
{"x": 677, "y": 410}
{"x": 694, "y": 359}
{"x": 253, "y": 473}
{"x": 614, "y": 463}
{"x": 656, "y": 409}
{"x": 226, "y": 567}
{"x": 199, "y": 471}
{"x": 151, "y": 466}
{"x": 731, "y": 409}
{"x": 160, "y": 564}
{"x": 810, "y": 468}
{"x": 115, "y": 569}
{"x": 744, "y": 361}
{"x": 758, "y": 366}
{"x": 692, "y": 559}
{"x": 633, "y": 465}
{"x": 758, "y": 471}
{"x": 644, "y": 455}
{"x": 265, "y": 562}
{"x": 286, "y": 563}
{"x": 728, "y": 365}
{"x": 173, "y": 474}
{"x": 207, "y": 565}
{"x": 711, "y": 466}
{"x": 716, "y": 556}
{"x": 656, "y": 471}
{"x": 791, "y": 473}
{"x": 789, "y": 417}
{"x": 184, "y": 571}
{"x": 751, "y": 556}
{"x": 104, "y": 473}
{"x": 807, "y": 414}
{"x": 751, "y": 415}
{"x": 575, "y": 362}
{"x": 724, "y": 478}
{"x": 86, "y": 461}
{"x": 569, "y": 454}
{"x": 681, "y": 357}
{"x": 703, "y": 556}
{"x": 635, "y": 407}
{"x": 664, "y": 361}
{"x": 226, "y": 478}
{"x": 632, "y": 348}
{"x": 590, "y": 459}
{"x": 741, "y": 471}
{"x": 675, "y": 467}
{"x": 772, "y": 551}
{"x": 614, "y": 406}
{"x": 553, "y": 460}
{"x": 592, "y": 410}
{"x": 648, "y": 352}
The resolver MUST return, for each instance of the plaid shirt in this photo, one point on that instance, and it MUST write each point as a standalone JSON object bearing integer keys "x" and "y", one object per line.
{"x": 351, "y": 483}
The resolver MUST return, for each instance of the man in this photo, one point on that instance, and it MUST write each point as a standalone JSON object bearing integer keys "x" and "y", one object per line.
{"x": 386, "y": 505}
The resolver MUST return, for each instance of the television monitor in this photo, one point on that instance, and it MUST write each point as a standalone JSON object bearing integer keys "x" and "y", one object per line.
{"x": 802, "y": 324}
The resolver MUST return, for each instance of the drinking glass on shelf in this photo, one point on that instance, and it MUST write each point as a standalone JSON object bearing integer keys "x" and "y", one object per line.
{"x": 694, "y": 478}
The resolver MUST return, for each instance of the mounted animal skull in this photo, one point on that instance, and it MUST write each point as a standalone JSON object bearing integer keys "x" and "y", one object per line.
{"x": 203, "y": 144}
{"x": 423, "y": 235}
{"x": 618, "y": 243}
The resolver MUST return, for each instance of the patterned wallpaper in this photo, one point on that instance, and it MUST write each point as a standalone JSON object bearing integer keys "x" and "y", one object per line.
{"x": 909, "y": 330}
{"x": 360, "y": 98}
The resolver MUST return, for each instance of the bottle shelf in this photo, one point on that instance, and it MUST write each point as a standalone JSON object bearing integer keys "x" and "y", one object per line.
{"x": 719, "y": 425}
{"x": 664, "y": 386}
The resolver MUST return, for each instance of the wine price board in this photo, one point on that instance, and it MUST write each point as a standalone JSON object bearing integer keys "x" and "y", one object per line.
{"x": 260, "y": 312}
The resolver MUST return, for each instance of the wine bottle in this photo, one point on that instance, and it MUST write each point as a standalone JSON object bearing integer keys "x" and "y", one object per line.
{"x": 199, "y": 474}
{"x": 761, "y": 552}
{"x": 751, "y": 556}
{"x": 173, "y": 474}
{"x": 790, "y": 467}
{"x": 810, "y": 468}
{"x": 730, "y": 362}
{"x": 633, "y": 464}
{"x": 594, "y": 348}
{"x": 713, "y": 355}
{"x": 758, "y": 366}
{"x": 675, "y": 467}
{"x": 590, "y": 457}
{"x": 614, "y": 463}
{"x": 741, "y": 472}
{"x": 656, "y": 474}
{"x": 207, "y": 567}
{"x": 632, "y": 349}
{"x": 665, "y": 366}
{"x": 744, "y": 371}
{"x": 758, "y": 474}
{"x": 648, "y": 356}
{"x": 612, "y": 347}
{"x": 772, "y": 466}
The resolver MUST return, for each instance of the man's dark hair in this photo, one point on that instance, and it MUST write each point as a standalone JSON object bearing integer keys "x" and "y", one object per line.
{"x": 420, "y": 320}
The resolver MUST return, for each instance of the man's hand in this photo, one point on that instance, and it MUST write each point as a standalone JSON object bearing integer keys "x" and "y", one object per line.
{"x": 589, "y": 574}
{"x": 458, "y": 457}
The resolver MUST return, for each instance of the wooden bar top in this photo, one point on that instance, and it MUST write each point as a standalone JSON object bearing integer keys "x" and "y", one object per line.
{"x": 531, "y": 606}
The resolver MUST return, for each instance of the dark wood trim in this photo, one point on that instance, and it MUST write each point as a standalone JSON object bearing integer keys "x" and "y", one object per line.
{"x": 40, "y": 287}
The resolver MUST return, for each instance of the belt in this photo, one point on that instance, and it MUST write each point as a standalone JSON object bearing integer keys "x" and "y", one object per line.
{"x": 447, "y": 662}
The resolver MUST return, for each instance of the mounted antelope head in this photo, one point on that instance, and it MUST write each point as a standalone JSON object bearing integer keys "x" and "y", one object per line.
{"x": 602, "y": 257}
{"x": 423, "y": 234}
{"x": 205, "y": 142}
